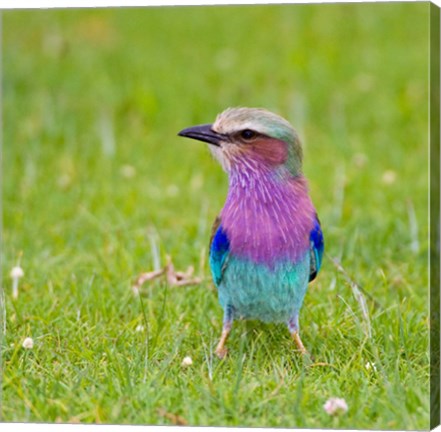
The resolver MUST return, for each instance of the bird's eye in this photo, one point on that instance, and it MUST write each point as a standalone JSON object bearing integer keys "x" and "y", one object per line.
{"x": 248, "y": 134}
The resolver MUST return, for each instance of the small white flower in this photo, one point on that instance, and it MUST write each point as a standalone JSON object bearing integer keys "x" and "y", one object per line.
{"x": 186, "y": 362}
{"x": 139, "y": 328}
{"x": 389, "y": 177}
{"x": 360, "y": 160}
{"x": 172, "y": 190}
{"x": 335, "y": 406}
{"x": 64, "y": 181}
{"x": 370, "y": 366}
{"x": 128, "y": 171}
{"x": 28, "y": 343}
{"x": 197, "y": 182}
{"x": 16, "y": 273}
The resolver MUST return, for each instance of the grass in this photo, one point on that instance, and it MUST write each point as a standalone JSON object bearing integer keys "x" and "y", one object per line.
{"x": 97, "y": 188}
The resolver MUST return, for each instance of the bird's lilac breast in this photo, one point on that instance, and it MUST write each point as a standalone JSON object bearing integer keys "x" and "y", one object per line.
{"x": 268, "y": 219}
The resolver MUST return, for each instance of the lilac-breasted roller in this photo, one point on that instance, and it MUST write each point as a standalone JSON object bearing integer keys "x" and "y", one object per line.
{"x": 266, "y": 244}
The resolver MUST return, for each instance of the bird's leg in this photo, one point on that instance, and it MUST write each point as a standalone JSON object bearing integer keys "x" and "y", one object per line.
{"x": 293, "y": 326}
{"x": 221, "y": 350}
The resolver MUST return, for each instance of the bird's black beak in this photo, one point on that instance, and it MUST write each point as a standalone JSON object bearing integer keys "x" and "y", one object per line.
{"x": 203, "y": 133}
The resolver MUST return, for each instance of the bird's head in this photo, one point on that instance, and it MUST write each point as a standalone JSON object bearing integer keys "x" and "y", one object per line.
{"x": 250, "y": 137}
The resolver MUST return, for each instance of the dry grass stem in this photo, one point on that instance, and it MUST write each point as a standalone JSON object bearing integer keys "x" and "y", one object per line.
{"x": 174, "y": 418}
{"x": 357, "y": 292}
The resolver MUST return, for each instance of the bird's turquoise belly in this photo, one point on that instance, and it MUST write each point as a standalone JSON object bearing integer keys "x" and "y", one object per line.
{"x": 256, "y": 291}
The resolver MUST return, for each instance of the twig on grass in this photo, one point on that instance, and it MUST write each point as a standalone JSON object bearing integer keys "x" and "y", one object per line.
{"x": 178, "y": 278}
{"x": 144, "y": 277}
{"x": 174, "y": 418}
{"x": 174, "y": 278}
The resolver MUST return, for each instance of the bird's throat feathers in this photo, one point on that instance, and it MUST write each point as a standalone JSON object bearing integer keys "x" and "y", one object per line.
{"x": 268, "y": 214}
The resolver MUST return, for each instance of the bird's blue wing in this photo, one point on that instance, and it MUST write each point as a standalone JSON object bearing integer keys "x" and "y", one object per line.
{"x": 219, "y": 249}
{"x": 316, "y": 249}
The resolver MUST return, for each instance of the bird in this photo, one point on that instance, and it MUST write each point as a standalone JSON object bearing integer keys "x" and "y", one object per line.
{"x": 266, "y": 243}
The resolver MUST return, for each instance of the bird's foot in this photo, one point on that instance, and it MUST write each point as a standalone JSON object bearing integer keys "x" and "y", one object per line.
{"x": 307, "y": 357}
{"x": 299, "y": 343}
{"x": 221, "y": 351}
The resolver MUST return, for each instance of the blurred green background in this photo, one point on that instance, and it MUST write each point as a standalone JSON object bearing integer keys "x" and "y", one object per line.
{"x": 97, "y": 188}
